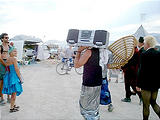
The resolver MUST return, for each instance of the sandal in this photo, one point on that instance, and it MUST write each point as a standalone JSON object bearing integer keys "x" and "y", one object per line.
{"x": 13, "y": 110}
{"x": 17, "y": 107}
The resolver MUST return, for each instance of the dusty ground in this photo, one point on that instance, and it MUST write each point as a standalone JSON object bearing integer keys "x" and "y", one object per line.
{"x": 49, "y": 96}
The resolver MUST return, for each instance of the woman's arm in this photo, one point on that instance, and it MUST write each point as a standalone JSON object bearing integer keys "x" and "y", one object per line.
{"x": 80, "y": 60}
{"x": 16, "y": 68}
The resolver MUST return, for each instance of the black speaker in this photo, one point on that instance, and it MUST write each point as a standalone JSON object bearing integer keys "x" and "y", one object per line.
{"x": 100, "y": 37}
{"x": 72, "y": 37}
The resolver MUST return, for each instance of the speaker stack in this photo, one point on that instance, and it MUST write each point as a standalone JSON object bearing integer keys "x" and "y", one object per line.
{"x": 93, "y": 38}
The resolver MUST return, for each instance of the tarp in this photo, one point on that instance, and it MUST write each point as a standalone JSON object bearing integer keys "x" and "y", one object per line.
{"x": 19, "y": 46}
{"x": 141, "y": 32}
{"x": 43, "y": 53}
{"x": 26, "y": 39}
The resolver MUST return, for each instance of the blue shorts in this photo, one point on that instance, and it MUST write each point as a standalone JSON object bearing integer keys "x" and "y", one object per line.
{"x": 105, "y": 97}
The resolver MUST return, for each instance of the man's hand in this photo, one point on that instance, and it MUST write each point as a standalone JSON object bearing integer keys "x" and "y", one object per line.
{"x": 81, "y": 48}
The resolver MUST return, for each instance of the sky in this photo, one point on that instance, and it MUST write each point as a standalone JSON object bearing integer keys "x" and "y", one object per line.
{"x": 51, "y": 19}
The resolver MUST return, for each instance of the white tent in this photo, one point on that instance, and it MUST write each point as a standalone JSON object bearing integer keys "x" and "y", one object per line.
{"x": 56, "y": 43}
{"x": 141, "y": 32}
{"x": 43, "y": 52}
{"x": 19, "y": 47}
{"x": 26, "y": 39}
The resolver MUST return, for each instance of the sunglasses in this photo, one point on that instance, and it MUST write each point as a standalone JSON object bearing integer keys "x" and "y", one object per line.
{"x": 6, "y": 37}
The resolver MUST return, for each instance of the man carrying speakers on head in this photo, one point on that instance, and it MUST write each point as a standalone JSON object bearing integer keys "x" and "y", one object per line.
{"x": 92, "y": 81}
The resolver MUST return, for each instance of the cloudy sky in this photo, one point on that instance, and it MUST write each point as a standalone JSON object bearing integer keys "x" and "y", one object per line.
{"x": 51, "y": 19}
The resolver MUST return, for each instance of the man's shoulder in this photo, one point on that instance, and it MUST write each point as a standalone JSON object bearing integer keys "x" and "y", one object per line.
{"x": 151, "y": 51}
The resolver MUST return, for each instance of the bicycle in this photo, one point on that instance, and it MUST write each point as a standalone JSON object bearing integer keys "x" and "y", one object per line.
{"x": 65, "y": 65}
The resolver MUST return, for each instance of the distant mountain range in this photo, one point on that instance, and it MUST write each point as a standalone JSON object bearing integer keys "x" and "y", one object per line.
{"x": 141, "y": 32}
{"x": 157, "y": 36}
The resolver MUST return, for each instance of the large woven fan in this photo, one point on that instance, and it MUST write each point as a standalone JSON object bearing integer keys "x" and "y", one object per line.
{"x": 122, "y": 50}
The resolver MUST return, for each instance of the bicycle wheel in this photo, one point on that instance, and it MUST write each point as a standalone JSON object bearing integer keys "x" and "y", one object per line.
{"x": 79, "y": 70}
{"x": 61, "y": 68}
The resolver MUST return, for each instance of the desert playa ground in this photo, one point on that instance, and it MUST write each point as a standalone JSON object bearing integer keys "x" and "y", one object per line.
{"x": 50, "y": 96}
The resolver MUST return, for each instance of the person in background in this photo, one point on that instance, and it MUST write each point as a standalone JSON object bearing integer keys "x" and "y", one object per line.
{"x": 12, "y": 80}
{"x": 11, "y": 44}
{"x": 69, "y": 54}
{"x": 140, "y": 51}
{"x": 105, "y": 97}
{"x": 113, "y": 73}
{"x": 4, "y": 48}
{"x": 92, "y": 80}
{"x": 148, "y": 77}
{"x": 130, "y": 76}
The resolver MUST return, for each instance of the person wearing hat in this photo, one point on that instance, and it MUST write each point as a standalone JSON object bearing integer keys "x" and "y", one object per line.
{"x": 141, "y": 44}
{"x": 130, "y": 76}
{"x": 140, "y": 51}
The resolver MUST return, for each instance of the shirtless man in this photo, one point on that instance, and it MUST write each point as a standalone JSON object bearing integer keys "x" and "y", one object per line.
{"x": 3, "y": 57}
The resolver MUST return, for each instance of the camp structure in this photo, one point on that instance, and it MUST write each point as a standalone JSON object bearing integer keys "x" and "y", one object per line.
{"x": 141, "y": 32}
{"x": 27, "y": 46}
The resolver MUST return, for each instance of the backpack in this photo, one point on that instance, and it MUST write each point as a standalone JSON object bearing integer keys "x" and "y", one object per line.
{"x": 1, "y": 49}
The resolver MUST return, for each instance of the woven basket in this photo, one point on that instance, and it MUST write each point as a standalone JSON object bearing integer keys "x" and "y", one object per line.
{"x": 122, "y": 50}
